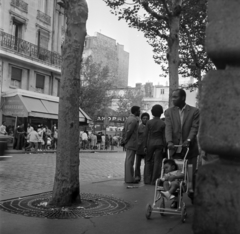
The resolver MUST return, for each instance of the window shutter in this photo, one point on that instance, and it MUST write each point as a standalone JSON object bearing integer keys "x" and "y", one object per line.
{"x": 40, "y": 81}
{"x": 16, "y": 74}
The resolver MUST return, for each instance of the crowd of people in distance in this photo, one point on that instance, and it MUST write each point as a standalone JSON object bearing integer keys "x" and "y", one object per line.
{"x": 97, "y": 141}
{"x": 36, "y": 138}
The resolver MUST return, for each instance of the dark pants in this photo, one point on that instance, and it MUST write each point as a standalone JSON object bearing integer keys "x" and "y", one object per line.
{"x": 153, "y": 164}
{"x": 139, "y": 158}
{"x": 129, "y": 162}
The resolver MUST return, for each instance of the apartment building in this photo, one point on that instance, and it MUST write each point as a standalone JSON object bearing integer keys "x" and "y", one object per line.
{"x": 31, "y": 34}
{"x": 108, "y": 52}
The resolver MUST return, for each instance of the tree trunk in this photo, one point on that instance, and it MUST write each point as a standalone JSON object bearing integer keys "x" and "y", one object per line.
{"x": 66, "y": 189}
{"x": 173, "y": 46}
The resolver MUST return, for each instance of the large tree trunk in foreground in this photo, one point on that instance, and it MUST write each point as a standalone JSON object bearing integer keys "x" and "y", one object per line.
{"x": 173, "y": 47}
{"x": 66, "y": 189}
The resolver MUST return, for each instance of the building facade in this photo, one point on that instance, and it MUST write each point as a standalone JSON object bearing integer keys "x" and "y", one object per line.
{"x": 30, "y": 57}
{"x": 108, "y": 52}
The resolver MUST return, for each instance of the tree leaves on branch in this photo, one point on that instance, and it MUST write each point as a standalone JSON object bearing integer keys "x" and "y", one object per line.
{"x": 154, "y": 17}
{"x": 94, "y": 86}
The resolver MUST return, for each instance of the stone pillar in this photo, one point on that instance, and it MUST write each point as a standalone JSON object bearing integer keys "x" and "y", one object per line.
{"x": 217, "y": 203}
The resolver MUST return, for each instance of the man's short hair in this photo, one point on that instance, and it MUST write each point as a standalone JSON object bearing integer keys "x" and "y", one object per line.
{"x": 182, "y": 92}
{"x": 134, "y": 109}
{"x": 145, "y": 114}
{"x": 157, "y": 110}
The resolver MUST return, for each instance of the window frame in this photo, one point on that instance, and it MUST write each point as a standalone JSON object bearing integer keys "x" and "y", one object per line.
{"x": 37, "y": 86}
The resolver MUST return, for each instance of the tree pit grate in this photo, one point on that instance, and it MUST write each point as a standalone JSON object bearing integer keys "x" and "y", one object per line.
{"x": 93, "y": 205}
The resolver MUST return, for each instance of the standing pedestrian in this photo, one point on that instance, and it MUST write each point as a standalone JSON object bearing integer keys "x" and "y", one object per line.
{"x": 154, "y": 145}
{"x": 3, "y": 128}
{"x": 33, "y": 138}
{"x": 84, "y": 140}
{"x": 130, "y": 141}
{"x": 103, "y": 141}
{"x": 140, "y": 150}
{"x": 99, "y": 140}
{"x": 182, "y": 122}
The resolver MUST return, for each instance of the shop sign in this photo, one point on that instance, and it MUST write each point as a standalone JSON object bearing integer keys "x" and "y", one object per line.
{"x": 13, "y": 106}
{"x": 118, "y": 119}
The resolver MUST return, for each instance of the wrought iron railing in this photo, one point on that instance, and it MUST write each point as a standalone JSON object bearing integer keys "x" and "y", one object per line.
{"x": 44, "y": 17}
{"x": 21, "y": 5}
{"x": 28, "y": 49}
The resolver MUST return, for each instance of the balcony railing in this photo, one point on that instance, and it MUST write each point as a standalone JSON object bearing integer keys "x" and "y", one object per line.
{"x": 25, "y": 48}
{"x": 21, "y": 5}
{"x": 44, "y": 17}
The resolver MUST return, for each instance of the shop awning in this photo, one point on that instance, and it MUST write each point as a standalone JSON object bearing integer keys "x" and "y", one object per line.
{"x": 23, "y": 104}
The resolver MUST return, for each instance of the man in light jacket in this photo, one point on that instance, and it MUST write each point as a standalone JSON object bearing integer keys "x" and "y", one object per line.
{"x": 182, "y": 122}
{"x": 130, "y": 142}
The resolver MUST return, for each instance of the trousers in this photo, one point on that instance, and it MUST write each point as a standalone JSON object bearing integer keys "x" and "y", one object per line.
{"x": 139, "y": 158}
{"x": 153, "y": 164}
{"x": 129, "y": 162}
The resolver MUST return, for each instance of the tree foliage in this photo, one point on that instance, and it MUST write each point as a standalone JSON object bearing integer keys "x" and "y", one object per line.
{"x": 95, "y": 83}
{"x": 154, "y": 18}
{"x": 131, "y": 97}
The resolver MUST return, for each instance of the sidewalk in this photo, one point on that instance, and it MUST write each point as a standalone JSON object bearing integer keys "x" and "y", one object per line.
{"x": 128, "y": 222}
{"x": 100, "y": 174}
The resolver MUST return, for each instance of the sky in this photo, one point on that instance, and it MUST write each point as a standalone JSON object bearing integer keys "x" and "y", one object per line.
{"x": 142, "y": 67}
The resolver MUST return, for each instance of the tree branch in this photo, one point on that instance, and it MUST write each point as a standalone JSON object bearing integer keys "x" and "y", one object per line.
{"x": 153, "y": 13}
{"x": 163, "y": 36}
{"x": 166, "y": 8}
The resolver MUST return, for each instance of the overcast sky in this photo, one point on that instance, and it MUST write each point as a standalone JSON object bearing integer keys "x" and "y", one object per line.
{"x": 142, "y": 67}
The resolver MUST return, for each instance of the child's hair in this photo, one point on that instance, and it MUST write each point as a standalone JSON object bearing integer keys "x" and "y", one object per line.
{"x": 171, "y": 162}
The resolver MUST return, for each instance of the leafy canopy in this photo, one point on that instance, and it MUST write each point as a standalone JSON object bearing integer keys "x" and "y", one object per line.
{"x": 153, "y": 18}
{"x": 95, "y": 83}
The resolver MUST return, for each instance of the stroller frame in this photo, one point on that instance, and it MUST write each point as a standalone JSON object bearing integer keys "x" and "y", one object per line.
{"x": 158, "y": 205}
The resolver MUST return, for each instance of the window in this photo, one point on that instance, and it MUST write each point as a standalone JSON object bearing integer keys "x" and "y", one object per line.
{"x": 58, "y": 87}
{"x": 43, "y": 38}
{"x": 16, "y": 77}
{"x": 40, "y": 82}
{"x": 16, "y": 32}
{"x": 162, "y": 91}
{"x": 43, "y": 6}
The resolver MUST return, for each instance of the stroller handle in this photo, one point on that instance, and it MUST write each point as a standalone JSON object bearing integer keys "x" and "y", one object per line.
{"x": 185, "y": 156}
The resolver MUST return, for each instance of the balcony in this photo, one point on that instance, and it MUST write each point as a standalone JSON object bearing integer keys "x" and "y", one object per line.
{"x": 21, "y": 5}
{"x": 27, "y": 49}
{"x": 44, "y": 17}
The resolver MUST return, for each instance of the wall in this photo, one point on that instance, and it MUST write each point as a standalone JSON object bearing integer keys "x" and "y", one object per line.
{"x": 106, "y": 51}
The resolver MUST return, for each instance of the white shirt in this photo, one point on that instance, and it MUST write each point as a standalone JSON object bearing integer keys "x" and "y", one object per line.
{"x": 84, "y": 136}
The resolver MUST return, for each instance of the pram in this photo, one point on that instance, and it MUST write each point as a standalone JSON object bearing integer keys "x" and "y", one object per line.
{"x": 159, "y": 201}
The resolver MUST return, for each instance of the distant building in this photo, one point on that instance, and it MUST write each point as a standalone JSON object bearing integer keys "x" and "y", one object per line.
{"x": 108, "y": 52}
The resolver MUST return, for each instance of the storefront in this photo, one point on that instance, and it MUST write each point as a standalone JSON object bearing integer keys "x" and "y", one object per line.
{"x": 22, "y": 107}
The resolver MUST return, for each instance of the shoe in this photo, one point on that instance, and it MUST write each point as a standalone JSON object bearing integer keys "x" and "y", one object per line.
{"x": 138, "y": 179}
{"x": 174, "y": 205}
{"x": 134, "y": 182}
{"x": 167, "y": 195}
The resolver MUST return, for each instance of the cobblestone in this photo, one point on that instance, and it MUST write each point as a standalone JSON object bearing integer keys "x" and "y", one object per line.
{"x": 31, "y": 172}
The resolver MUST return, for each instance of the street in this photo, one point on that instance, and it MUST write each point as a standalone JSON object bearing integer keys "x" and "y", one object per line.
{"x": 32, "y": 172}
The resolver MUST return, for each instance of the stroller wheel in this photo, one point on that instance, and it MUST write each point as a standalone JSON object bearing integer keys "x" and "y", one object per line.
{"x": 184, "y": 214}
{"x": 162, "y": 206}
{"x": 148, "y": 211}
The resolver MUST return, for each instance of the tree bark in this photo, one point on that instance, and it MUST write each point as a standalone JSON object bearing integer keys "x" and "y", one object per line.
{"x": 173, "y": 47}
{"x": 173, "y": 57}
{"x": 66, "y": 189}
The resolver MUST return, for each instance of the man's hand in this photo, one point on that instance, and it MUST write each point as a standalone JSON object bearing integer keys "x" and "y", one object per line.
{"x": 170, "y": 145}
{"x": 145, "y": 150}
{"x": 186, "y": 144}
